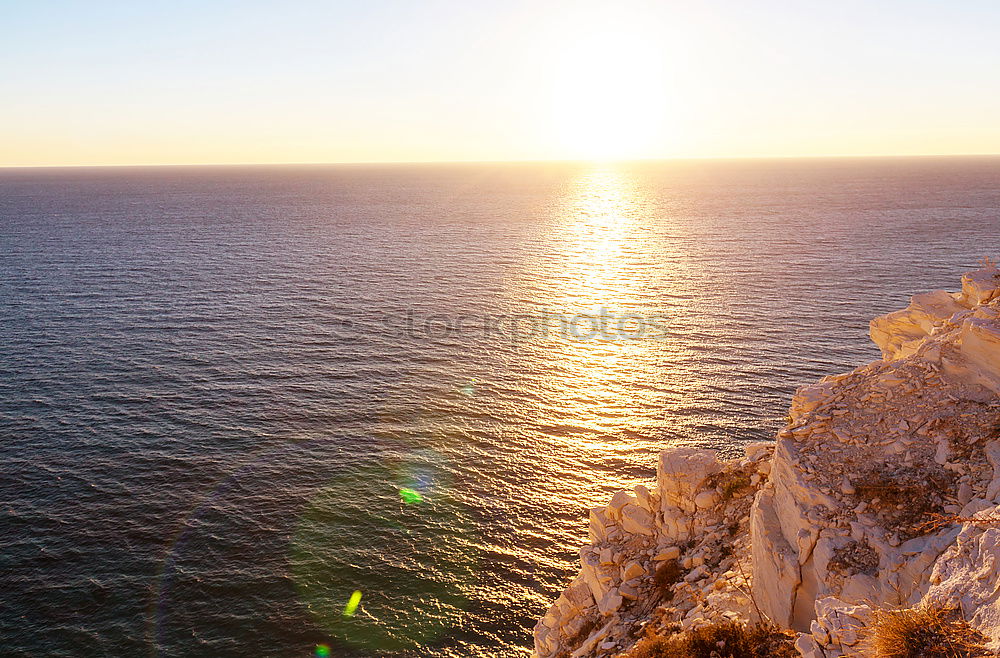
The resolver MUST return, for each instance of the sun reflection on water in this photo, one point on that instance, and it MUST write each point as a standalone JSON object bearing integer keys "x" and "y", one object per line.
{"x": 594, "y": 232}
{"x": 597, "y": 260}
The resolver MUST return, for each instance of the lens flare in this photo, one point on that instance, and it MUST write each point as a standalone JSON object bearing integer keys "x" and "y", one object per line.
{"x": 410, "y": 496}
{"x": 352, "y": 604}
{"x": 322, "y": 651}
{"x": 417, "y": 561}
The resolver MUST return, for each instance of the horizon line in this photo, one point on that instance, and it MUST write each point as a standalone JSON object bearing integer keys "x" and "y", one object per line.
{"x": 513, "y": 161}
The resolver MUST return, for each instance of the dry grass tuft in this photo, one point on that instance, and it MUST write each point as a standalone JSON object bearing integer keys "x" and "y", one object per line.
{"x": 722, "y": 640}
{"x": 931, "y": 631}
{"x": 729, "y": 482}
{"x": 937, "y": 521}
{"x": 904, "y": 497}
{"x": 666, "y": 576}
{"x": 582, "y": 634}
{"x": 734, "y": 485}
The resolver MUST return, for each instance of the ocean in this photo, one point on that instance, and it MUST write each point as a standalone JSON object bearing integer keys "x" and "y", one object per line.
{"x": 232, "y": 397}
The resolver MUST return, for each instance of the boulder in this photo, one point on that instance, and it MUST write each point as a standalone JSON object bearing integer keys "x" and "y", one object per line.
{"x": 610, "y": 602}
{"x": 980, "y": 341}
{"x": 667, "y": 553}
{"x": 599, "y": 525}
{"x": 618, "y": 501}
{"x": 633, "y": 570}
{"x": 645, "y": 499}
{"x": 898, "y": 334}
{"x": 981, "y": 286}
{"x": 637, "y": 520}
{"x": 680, "y": 472}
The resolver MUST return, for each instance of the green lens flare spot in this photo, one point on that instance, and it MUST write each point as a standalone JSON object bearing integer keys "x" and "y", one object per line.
{"x": 341, "y": 543}
{"x": 352, "y": 604}
{"x": 323, "y": 651}
{"x": 410, "y": 496}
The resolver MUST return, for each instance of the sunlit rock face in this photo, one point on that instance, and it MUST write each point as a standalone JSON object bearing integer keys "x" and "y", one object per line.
{"x": 882, "y": 491}
{"x": 676, "y": 555}
{"x": 966, "y": 575}
{"x": 964, "y": 578}
{"x": 898, "y": 334}
{"x": 873, "y": 456}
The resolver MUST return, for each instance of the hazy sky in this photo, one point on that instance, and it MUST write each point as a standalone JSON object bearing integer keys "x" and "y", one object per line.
{"x": 310, "y": 81}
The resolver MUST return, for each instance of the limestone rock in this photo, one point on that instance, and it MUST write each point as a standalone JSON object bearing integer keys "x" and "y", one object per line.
{"x": 599, "y": 524}
{"x": 668, "y": 553}
{"x": 619, "y": 501}
{"x": 968, "y": 572}
{"x": 645, "y": 499}
{"x": 610, "y": 602}
{"x": 637, "y": 520}
{"x": 628, "y": 592}
{"x": 980, "y": 340}
{"x": 706, "y": 499}
{"x": 759, "y": 450}
{"x": 898, "y": 334}
{"x": 680, "y": 472}
{"x": 981, "y": 287}
{"x": 633, "y": 570}
{"x": 846, "y": 511}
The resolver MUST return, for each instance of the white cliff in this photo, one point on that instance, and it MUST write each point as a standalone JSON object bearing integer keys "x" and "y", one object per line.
{"x": 881, "y": 492}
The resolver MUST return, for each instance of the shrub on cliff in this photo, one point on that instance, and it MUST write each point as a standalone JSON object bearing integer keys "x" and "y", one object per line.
{"x": 931, "y": 631}
{"x": 721, "y": 640}
{"x": 666, "y": 576}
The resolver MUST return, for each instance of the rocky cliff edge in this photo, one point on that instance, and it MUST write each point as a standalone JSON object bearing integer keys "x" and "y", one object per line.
{"x": 882, "y": 492}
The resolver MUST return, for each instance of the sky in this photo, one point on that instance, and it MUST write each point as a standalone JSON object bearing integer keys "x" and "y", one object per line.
{"x": 102, "y": 83}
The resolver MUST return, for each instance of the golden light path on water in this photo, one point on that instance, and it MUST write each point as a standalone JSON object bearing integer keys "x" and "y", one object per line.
{"x": 593, "y": 361}
{"x": 601, "y": 255}
{"x": 604, "y": 401}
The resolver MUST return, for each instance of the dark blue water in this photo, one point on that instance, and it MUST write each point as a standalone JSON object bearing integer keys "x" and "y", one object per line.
{"x": 230, "y": 397}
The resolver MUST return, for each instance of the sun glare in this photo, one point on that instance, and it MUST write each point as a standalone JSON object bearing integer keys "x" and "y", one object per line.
{"x": 609, "y": 97}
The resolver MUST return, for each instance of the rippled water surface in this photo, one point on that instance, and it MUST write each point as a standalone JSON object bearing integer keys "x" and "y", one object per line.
{"x": 229, "y": 398}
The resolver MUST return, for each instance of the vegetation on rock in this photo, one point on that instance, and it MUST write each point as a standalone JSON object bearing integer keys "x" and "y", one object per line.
{"x": 930, "y": 631}
{"x": 720, "y": 640}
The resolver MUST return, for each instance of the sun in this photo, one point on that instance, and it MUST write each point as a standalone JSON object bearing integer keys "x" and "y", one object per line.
{"x": 610, "y": 98}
